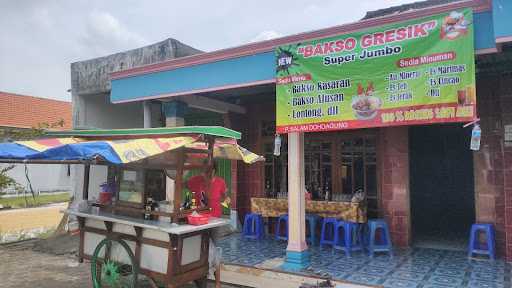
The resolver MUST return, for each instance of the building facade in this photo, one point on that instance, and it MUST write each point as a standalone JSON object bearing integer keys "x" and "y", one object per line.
{"x": 423, "y": 179}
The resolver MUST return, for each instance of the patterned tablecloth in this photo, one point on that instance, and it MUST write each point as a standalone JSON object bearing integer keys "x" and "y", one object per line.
{"x": 348, "y": 211}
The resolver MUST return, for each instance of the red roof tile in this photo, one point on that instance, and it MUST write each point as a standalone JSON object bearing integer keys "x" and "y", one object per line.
{"x": 23, "y": 111}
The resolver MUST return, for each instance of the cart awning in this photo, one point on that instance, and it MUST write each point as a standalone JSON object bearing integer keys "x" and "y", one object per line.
{"x": 228, "y": 149}
{"x": 120, "y": 149}
{"x": 15, "y": 151}
{"x": 24, "y": 149}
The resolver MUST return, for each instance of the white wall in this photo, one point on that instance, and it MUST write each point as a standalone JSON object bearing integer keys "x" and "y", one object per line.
{"x": 96, "y": 111}
{"x": 43, "y": 177}
{"x": 97, "y": 176}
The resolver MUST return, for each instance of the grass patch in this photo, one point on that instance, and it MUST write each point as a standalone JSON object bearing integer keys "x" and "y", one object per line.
{"x": 28, "y": 201}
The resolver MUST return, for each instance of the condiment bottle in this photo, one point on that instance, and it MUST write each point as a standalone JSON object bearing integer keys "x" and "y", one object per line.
{"x": 148, "y": 208}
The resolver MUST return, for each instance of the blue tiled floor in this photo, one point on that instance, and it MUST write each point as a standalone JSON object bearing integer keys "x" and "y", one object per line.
{"x": 410, "y": 268}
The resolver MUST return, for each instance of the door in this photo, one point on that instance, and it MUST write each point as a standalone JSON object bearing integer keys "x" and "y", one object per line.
{"x": 441, "y": 182}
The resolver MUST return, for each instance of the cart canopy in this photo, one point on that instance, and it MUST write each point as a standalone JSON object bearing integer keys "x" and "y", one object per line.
{"x": 124, "y": 146}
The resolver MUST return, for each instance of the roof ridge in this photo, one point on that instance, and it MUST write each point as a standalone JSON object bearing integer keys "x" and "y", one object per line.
{"x": 268, "y": 45}
{"x": 417, "y": 5}
{"x": 37, "y": 97}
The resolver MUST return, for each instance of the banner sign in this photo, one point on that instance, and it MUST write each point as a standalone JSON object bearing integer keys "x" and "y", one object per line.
{"x": 416, "y": 72}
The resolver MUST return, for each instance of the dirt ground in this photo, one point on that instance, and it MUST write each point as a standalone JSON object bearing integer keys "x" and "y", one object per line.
{"x": 48, "y": 263}
{"x": 31, "y": 218}
{"x": 21, "y": 266}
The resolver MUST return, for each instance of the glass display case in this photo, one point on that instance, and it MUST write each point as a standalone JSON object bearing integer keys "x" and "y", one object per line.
{"x": 131, "y": 186}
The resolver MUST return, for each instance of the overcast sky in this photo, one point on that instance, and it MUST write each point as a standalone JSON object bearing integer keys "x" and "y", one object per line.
{"x": 40, "y": 38}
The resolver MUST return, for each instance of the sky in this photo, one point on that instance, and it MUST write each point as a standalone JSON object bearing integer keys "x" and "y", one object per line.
{"x": 39, "y": 39}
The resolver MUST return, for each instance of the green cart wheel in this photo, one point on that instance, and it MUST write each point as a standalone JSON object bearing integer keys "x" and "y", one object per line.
{"x": 107, "y": 272}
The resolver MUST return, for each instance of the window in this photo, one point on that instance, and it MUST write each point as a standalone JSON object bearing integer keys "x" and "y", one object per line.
{"x": 276, "y": 167}
{"x": 337, "y": 165}
{"x": 318, "y": 167}
{"x": 276, "y": 170}
{"x": 359, "y": 168}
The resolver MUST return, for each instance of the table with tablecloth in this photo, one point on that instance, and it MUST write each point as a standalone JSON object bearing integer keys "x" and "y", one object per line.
{"x": 348, "y": 211}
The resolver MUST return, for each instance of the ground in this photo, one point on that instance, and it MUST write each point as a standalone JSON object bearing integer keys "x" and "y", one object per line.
{"x": 26, "y": 220}
{"x": 50, "y": 263}
{"x": 412, "y": 268}
{"x": 21, "y": 266}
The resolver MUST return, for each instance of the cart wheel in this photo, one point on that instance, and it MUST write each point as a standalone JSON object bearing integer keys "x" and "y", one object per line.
{"x": 108, "y": 271}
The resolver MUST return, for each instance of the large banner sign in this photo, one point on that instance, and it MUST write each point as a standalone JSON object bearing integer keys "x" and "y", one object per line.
{"x": 415, "y": 72}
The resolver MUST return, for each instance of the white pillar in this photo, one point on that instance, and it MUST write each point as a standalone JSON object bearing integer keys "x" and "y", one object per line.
{"x": 147, "y": 114}
{"x": 297, "y": 256}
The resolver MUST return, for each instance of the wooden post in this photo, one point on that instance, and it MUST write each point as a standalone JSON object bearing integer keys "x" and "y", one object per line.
{"x": 172, "y": 261}
{"x": 81, "y": 227}
{"x": 178, "y": 182}
{"x": 217, "y": 277}
{"x": 85, "y": 190}
{"x": 138, "y": 244}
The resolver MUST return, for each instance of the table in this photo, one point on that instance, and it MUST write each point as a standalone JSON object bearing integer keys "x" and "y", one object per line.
{"x": 348, "y": 211}
{"x": 157, "y": 225}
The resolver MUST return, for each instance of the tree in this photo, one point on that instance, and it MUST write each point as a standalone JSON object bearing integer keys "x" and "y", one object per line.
{"x": 32, "y": 133}
{"x": 5, "y": 181}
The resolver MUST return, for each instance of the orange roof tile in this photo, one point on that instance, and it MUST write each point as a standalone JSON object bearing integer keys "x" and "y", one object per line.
{"x": 23, "y": 111}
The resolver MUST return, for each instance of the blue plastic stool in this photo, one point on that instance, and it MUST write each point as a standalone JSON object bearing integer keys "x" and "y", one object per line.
{"x": 279, "y": 235}
{"x": 475, "y": 247}
{"x": 352, "y": 239}
{"x": 311, "y": 221}
{"x": 328, "y": 231}
{"x": 379, "y": 245}
{"x": 253, "y": 226}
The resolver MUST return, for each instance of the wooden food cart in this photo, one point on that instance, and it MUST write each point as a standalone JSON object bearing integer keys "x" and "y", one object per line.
{"x": 124, "y": 234}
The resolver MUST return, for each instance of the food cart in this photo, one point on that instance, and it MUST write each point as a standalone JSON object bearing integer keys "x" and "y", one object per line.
{"x": 126, "y": 233}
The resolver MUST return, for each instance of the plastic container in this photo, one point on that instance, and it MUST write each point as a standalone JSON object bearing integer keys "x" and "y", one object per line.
{"x": 106, "y": 194}
{"x": 105, "y": 198}
{"x": 476, "y": 134}
{"x": 196, "y": 220}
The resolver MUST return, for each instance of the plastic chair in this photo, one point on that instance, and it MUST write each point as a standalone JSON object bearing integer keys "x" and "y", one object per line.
{"x": 279, "y": 234}
{"x": 311, "y": 220}
{"x": 476, "y": 247}
{"x": 379, "y": 245}
{"x": 328, "y": 231}
{"x": 253, "y": 226}
{"x": 352, "y": 239}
